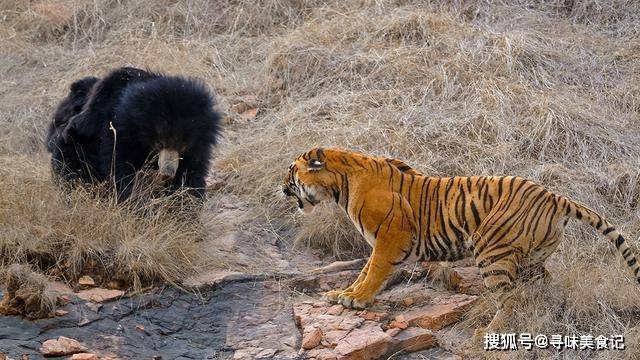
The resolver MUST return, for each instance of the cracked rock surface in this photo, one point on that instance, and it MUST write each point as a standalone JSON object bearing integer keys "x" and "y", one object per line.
{"x": 239, "y": 316}
{"x": 167, "y": 323}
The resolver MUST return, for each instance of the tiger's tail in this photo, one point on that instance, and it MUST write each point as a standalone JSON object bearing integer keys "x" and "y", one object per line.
{"x": 586, "y": 215}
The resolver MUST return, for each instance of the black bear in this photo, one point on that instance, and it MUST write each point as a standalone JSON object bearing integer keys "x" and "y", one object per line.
{"x": 79, "y": 123}
{"x": 132, "y": 117}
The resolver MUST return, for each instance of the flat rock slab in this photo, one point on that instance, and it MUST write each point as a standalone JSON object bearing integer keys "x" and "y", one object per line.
{"x": 168, "y": 323}
{"x": 61, "y": 346}
{"x": 214, "y": 278}
{"x": 315, "y": 282}
{"x": 99, "y": 295}
{"x": 440, "y": 313}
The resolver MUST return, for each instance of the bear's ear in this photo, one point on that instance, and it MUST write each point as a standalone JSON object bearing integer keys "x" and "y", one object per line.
{"x": 83, "y": 84}
{"x": 315, "y": 165}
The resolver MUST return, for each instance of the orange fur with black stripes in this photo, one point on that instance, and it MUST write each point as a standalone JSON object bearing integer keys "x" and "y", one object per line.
{"x": 508, "y": 224}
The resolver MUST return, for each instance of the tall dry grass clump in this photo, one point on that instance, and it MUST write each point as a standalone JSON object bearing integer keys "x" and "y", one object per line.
{"x": 79, "y": 233}
{"x": 27, "y": 293}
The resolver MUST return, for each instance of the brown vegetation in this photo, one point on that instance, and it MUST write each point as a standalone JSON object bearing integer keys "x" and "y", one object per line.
{"x": 75, "y": 233}
{"x": 27, "y": 293}
{"x": 548, "y": 90}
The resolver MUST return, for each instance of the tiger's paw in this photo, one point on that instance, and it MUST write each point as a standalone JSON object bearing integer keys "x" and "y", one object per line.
{"x": 332, "y": 296}
{"x": 354, "y": 300}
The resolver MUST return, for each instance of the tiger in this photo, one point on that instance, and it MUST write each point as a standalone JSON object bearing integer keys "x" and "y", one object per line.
{"x": 510, "y": 225}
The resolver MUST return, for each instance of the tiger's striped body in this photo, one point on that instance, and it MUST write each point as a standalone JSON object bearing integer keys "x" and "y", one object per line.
{"x": 508, "y": 224}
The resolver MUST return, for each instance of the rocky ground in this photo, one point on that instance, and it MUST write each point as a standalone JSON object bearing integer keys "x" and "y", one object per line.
{"x": 272, "y": 312}
{"x": 238, "y": 316}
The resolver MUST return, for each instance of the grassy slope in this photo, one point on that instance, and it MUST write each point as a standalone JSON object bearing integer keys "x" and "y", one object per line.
{"x": 542, "y": 90}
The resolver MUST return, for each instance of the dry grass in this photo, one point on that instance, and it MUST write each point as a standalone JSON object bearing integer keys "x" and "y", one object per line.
{"x": 549, "y": 90}
{"x": 27, "y": 293}
{"x": 68, "y": 235}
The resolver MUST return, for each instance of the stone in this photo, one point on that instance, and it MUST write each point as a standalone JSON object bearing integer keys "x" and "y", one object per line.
{"x": 84, "y": 356}
{"x": 86, "y": 282}
{"x": 399, "y": 323}
{"x": 408, "y": 301}
{"x": 369, "y": 342}
{"x": 99, "y": 295}
{"x": 338, "y": 266}
{"x": 290, "y": 341}
{"x": 332, "y": 337}
{"x": 372, "y": 315}
{"x": 343, "y": 336}
{"x": 141, "y": 329}
{"x": 335, "y": 310}
{"x": 266, "y": 354}
{"x": 438, "y": 315}
{"x": 413, "y": 339}
{"x": 61, "y": 312}
{"x": 349, "y": 322}
{"x": 61, "y": 346}
{"x": 84, "y": 321}
{"x": 321, "y": 354}
{"x": 247, "y": 353}
{"x": 467, "y": 280}
{"x": 397, "y": 295}
{"x": 393, "y": 331}
{"x": 311, "y": 338}
{"x": 214, "y": 278}
{"x": 61, "y": 289}
{"x": 314, "y": 282}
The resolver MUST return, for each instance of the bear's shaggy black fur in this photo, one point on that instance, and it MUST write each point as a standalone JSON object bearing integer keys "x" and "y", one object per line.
{"x": 80, "y": 122}
{"x": 132, "y": 117}
{"x": 67, "y": 158}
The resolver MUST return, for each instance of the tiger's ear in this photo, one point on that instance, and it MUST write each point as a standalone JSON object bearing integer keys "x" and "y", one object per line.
{"x": 315, "y": 165}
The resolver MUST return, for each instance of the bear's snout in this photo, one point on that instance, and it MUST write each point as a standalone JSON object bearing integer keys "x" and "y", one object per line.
{"x": 168, "y": 161}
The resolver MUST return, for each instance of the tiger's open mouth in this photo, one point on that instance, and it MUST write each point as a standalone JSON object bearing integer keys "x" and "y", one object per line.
{"x": 305, "y": 204}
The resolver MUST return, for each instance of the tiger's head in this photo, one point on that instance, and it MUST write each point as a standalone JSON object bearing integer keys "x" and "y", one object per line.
{"x": 309, "y": 180}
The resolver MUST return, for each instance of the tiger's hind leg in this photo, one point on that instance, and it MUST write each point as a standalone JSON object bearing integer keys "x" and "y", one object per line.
{"x": 499, "y": 277}
{"x": 499, "y": 261}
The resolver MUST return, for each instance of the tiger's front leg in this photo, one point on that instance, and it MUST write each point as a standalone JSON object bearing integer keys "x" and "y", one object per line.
{"x": 333, "y": 295}
{"x": 393, "y": 244}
